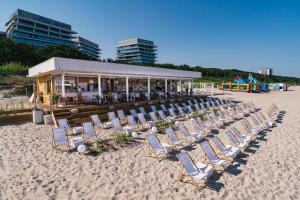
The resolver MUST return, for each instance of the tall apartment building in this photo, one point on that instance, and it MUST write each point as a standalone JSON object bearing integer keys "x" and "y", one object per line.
{"x": 266, "y": 71}
{"x": 136, "y": 50}
{"x": 39, "y": 31}
{"x": 90, "y": 48}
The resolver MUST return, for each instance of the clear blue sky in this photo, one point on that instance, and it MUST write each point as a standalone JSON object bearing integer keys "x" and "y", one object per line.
{"x": 244, "y": 34}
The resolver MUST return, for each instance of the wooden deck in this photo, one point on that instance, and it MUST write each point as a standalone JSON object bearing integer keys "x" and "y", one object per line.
{"x": 84, "y": 111}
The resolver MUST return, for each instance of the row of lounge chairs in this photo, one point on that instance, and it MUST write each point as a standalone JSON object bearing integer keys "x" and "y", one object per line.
{"x": 224, "y": 154}
{"x": 170, "y": 112}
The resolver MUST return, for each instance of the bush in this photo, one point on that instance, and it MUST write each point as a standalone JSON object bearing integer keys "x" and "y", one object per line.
{"x": 13, "y": 68}
{"x": 163, "y": 125}
{"x": 99, "y": 147}
{"x": 123, "y": 139}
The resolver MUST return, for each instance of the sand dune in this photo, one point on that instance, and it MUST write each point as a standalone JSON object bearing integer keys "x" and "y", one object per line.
{"x": 31, "y": 169}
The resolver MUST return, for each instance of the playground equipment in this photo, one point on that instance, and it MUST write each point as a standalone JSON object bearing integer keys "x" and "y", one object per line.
{"x": 241, "y": 85}
{"x": 280, "y": 86}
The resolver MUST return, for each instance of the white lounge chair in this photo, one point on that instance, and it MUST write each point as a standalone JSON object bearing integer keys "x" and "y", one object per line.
{"x": 195, "y": 171}
{"x": 145, "y": 124}
{"x": 173, "y": 138}
{"x": 60, "y": 138}
{"x": 235, "y": 141}
{"x": 111, "y": 116}
{"x": 242, "y": 138}
{"x": 88, "y": 130}
{"x": 211, "y": 155}
{"x": 142, "y": 110}
{"x": 118, "y": 127}
{"x": 121, "y": 115}
{"x": 63, "y": 123}
{"x": 133, "y": 113}
{"x": 153, "y": 116}
{"x": 191, "y": 137}
{"x": 163, "y": 107}
{"x": 156, "y": 148}
{"x": 227, "y": 150}
{"x": 153, "y": 108}
{"x": 96, "y": 120}
{"x": 131, "y": 122}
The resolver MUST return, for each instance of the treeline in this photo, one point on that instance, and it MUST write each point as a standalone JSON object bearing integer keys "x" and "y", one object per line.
{"x": 15, "y": 59}
{"x": 225, "y": 75}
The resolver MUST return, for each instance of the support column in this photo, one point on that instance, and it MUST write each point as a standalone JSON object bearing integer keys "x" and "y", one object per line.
{"x": 99, "y": 87}
{"x": 127, "y": 89}
{"x": 166, "y": 87}
{"x": 180, "y": 87}
{"x": 190, "y": 87}
{"x": 149, "y": 88}
{"x": 63, "y": 92}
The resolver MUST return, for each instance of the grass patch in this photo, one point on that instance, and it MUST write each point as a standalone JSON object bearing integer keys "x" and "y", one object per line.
{"x": 123, "y": 139}
{"x": 99, "y": 147}
{"x": 163, "y": 125}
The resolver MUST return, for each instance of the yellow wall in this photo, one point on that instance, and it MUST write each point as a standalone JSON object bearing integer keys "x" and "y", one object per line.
{"x": 42, "y": 88}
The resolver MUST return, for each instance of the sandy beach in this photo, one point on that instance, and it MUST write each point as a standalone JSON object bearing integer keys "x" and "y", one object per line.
{"x": 31, "y": 169}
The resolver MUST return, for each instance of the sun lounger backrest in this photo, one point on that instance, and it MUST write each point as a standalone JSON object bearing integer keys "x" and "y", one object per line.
{"x": 60, "y": 136}
{"x": 117, "y": 124}
{"x": 171, "y": 135}
{"x": 258, "y": 118}
{"x": 172, "y": 113}
{"x": 161, "y": 114}
{"x": 96, "y": 120}
{"x": 154, "y": 142}
{"x": 88, "y": 129}
{"x": 236, "y": 133}
{"x": 221, "y": 114}
{"x": 202, "y": 106}
{"x": 219, "y": 145}
{"x": 130, "y": 120}
{"x": 262, "y": 115}
{"x": 133, "y": 113}
{"x": 172, "y": 106}
{"x": 63, "y": 123}
{"x": 187, "y": 163}
{"x": 163, "y": 107}
{"x": 153, "y": 108}
{"x": 153, "y": 116}
{"x": 184, "y": 105}
{"x": 232, "y": 138}
{"x": 190, "y": 109}
{"x": 197, "y": 107}
{"x": 190, "y": 102}
{"x": 254, "y": 120}
{"x": 181, "y": 110}
{"x": 184, "y": 131}
{"x": 209, "y": 151}
{"x": 246, "y": 127}
{"x": 208, "y": 104}
{"x": 248, "y": 123}
{"x": 196, "y": 125}
{"x": 142, "y": 110}
{"x": 142, "y": 118}
{"x": 111, "y": 116}
{"x": 121, "y": 114}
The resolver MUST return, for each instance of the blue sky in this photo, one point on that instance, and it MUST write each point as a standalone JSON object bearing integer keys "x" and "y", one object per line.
{"x": 244, "y": 34}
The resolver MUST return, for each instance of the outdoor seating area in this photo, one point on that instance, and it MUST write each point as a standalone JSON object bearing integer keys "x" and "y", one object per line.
{"x": 62, "y": 82}
{"x": 208, "y": 117}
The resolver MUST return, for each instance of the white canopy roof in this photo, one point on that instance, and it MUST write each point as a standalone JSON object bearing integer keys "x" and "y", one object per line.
{"x": 57, "y": 65}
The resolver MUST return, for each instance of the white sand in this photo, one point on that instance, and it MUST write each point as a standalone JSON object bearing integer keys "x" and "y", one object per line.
{"x": 31, "y": 169}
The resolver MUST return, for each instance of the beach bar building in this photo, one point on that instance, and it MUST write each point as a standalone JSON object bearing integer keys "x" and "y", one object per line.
{"x": 86, "y": 81}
